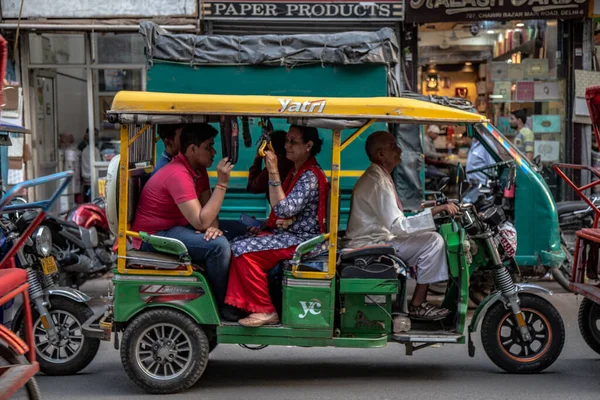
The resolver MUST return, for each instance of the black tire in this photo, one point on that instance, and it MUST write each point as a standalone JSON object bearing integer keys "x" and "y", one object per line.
{"x": 545, "y": 325}
{"x": 31, "y": 390}
{"x": 85, "y": 352}
{"x": 148, "y": 326}
{"x": 562, "y": 274}
{"x": 589, "y": 323}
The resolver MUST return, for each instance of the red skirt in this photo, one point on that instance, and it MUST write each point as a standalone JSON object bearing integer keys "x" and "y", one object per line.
{"x": 248, "y": 287}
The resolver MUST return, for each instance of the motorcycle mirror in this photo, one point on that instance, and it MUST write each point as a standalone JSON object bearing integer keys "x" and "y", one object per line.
{"x": 442, "y": 184}
{"x": 538, "y": 160}
{"x": 460, "y": 177}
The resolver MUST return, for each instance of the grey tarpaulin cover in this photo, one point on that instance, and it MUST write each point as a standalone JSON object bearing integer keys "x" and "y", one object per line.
{"x": 380, "y": 47}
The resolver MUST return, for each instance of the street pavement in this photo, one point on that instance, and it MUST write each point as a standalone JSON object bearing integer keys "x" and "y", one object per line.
{"x": 442, "y": 372}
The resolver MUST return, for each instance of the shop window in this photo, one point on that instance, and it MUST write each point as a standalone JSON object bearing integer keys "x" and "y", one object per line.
{"x": 124, "y": 48}
{"x": 55, "y": 48}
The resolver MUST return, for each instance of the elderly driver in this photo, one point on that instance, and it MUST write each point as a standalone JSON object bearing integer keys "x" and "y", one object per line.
{"x": 376, "y": 217}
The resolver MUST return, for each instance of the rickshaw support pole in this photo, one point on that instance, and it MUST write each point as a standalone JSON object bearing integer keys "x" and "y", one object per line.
{"x": 356, "y": 134}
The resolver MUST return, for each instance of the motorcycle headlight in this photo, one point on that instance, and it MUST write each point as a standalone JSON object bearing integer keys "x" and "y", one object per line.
{"x": 43, "y": 240}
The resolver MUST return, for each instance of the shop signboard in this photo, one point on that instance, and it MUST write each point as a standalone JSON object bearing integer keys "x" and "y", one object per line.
{"x": 303, "y": 10}
{"x": 479, "y": 10}
{"x": 83, "y": 9}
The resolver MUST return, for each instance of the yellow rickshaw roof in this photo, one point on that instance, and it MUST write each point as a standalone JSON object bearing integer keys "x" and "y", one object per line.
{"x": 390, "y": 109}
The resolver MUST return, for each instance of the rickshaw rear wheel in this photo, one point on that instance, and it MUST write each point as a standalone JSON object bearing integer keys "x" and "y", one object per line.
{"x": 164, "y": 351}
{"x": 589, "y": 323}
{"x": 502, "y": 341}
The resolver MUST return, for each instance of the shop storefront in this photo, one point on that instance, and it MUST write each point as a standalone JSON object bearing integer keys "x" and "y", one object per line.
{"x": 502, "y": 57}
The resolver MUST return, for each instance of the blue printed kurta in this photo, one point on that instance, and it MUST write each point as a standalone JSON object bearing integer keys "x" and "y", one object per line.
{"x": 303, "y": 204}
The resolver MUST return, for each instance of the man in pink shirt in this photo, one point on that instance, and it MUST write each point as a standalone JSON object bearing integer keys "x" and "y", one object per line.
{"x": 177, "y": 202}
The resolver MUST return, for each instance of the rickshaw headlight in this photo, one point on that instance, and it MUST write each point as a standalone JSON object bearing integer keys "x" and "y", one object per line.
{"x": 43, "y": 240}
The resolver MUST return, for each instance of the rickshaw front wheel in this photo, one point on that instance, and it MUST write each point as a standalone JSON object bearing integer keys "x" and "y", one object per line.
{"x": 589, "y": 323}
{"x": 502, "y": 340}
{"x": 164, "y": 351}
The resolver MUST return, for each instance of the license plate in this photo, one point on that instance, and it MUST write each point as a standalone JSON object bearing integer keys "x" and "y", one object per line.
{"x": 49, "y": 265}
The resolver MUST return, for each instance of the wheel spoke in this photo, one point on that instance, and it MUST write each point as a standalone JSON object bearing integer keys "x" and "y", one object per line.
{"x": 508, "y": 342}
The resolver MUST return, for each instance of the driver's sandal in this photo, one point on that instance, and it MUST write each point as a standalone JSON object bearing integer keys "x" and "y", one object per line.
{"x": 427, "y": 312}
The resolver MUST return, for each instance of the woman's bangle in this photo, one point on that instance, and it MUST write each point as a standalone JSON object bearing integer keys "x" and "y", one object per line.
{"x": 274, "y": 183}
{"x": 222, "y": 187}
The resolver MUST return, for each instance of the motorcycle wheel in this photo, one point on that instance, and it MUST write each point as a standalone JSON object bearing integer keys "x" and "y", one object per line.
{"x": 74, "y": 351}
{"x": 562, "y": 274}
{"x": 589, "y": 323}
{"x": 164, "y": 351}
{"x": 31, "y": 389}
{"x": 502, "y": 341}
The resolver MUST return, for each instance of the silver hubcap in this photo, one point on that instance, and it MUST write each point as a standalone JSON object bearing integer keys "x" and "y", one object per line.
{"x": 67, "y": 345}
{"x": 163, "y": 351}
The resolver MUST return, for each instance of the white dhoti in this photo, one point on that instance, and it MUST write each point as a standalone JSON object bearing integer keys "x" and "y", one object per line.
{"x": 425, "y": 253}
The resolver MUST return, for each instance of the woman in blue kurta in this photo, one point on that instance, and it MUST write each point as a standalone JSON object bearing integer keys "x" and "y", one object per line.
{"x": 298, "y": 214}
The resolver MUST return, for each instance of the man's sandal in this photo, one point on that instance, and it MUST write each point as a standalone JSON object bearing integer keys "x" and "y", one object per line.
{"x": 427, "y": 312}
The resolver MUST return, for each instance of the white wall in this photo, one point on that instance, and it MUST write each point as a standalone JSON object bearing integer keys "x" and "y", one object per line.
{"x": 72, "y": 102}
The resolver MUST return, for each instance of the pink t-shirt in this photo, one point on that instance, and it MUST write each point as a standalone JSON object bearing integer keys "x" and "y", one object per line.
{"x": 173, "y": 184}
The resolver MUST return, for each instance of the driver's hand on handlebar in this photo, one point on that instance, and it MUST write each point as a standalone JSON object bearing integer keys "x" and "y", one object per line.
{"x": 450, "y": 209}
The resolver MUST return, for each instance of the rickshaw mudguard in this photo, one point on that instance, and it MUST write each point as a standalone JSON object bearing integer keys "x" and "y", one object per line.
{"x": 191, "y": 294}
{"x": 552, "y": 259}
{"x": 497, "y": 296}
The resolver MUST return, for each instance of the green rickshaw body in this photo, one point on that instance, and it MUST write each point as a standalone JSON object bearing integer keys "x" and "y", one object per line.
{"x": 136, "y": 293}
{"x": 536, "y": 219}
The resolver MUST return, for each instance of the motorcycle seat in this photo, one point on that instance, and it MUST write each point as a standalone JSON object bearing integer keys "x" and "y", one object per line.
{"x": 147, "y": 259}
{"x": 570, "y": 206}
{"x": 10, "y": 279}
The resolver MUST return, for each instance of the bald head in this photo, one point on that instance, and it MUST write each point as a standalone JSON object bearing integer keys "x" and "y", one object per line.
{"x": 377, "y": 141}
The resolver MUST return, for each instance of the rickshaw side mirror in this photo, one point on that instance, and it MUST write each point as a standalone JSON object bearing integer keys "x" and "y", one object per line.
{"x": 442, "y": 184}
{"x": 538, "y": 160}
{"x": 460, "y": 178}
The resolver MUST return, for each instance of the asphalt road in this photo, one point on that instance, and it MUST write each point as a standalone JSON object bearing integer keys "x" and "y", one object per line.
{"x": 444, "y": 372}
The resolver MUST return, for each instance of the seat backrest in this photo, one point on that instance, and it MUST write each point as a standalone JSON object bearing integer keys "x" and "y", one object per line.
{"x": 137, "y": 180}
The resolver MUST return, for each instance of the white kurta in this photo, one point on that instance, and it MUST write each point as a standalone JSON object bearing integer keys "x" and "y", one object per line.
{"x": 376, "y": 218}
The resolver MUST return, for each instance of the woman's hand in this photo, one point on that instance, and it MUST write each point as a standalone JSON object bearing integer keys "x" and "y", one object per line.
{"x": 271, "y": 162}
{"x": 212, "y": 233}
{"x": 284, "y": 223}
{"x": 224, "y": 171}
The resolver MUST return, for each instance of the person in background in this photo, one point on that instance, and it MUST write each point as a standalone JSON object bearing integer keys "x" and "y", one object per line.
{"x": 170, "y": 134}
{"x": 524, "y": 140}
{"x": 86, "y": 166}
{"x": 86, "y": 139}
{"x": 436, "y": 164}
{"x": 258, "y": 177}
{"x": 478, "y": 157}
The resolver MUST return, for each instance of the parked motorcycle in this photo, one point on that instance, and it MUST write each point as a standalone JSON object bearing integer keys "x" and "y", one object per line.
{"x": 82, "y": 245}
{"x": 58, "y": 313}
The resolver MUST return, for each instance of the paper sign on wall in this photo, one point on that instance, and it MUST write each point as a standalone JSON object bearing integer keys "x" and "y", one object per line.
{"x": 548, "y": 150}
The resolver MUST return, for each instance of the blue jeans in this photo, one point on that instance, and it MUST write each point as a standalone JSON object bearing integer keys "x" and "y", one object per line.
{"x": 214, "y": 255}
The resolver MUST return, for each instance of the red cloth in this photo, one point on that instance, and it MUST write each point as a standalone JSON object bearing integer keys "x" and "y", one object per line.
{"x": 291, "y": 179}
{"x": 258, "y": 177}
{"x": 173, "y": 184}
{"x": 248, "y": 287}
